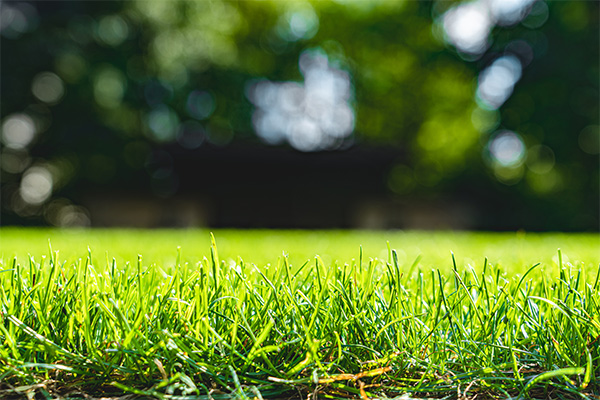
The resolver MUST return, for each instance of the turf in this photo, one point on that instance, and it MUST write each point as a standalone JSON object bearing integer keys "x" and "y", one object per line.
{"x": 511, "y": 251}
{"x": 404, "y": 319}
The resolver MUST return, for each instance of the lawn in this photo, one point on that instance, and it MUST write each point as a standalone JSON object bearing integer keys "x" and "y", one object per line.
{"x": 275, "y": 314}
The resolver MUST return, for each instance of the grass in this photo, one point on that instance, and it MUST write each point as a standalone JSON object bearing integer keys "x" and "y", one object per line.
{"x": 409, "y": 319}
{"x": 510, "y": 251}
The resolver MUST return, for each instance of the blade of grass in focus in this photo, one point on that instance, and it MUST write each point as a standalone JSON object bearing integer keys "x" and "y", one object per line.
{"x": 365, "y": 327}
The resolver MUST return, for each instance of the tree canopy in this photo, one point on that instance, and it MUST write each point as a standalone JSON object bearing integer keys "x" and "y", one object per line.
{"x": 496, "y": 103}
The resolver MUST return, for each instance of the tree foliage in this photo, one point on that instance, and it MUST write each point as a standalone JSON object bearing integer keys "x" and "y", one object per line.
{"x": 100, "y": 87}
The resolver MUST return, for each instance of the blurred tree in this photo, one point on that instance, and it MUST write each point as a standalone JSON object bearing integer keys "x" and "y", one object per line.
{"x": 93, "y": 93}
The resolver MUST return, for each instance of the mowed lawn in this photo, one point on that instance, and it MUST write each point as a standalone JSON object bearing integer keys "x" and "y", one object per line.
{"x": 512, "y": 251}
{"x": 174, "y": 314}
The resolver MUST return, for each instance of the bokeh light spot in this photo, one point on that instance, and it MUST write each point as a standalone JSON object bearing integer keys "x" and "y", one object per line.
{"x": 305, "y": 134}
{"x": 61, "y": 212}
{"x": 433, "y": 134}
{"x": 509, "y": 12}
{"x": 109, "y": 87}
{"x": 191, "y": 135}
{"x": 540, "y": 159}
{"x": 36, "y": 185}
{"x": 200, "y": 104}
{"x": 73, "y": 216}
{"x": 304, "y": 24}
{"x": 467, "y": 27}
{"x": 48, "y": 87}
{"x": 509, "y": 175}
{"x": 538, "y": 15}
{"x": 589, "y": 139}
{"x": 312, "y": 116}
{"x": 18, "y": 130}
{"x": 17, "y": 19}
{"x": 14, "y": 162}
{"x": 575, "y": 15}
{"x": 163, "y": 123}
{"x": 521, "y": 49}
{"x": 301, "y": 23}
{"x": 507, "y": 149}
{"x": 544, "y": 183}
{"x": 271, "y": 127}
{"x": 496, "y": 82}
{"x": 113, "y": 30}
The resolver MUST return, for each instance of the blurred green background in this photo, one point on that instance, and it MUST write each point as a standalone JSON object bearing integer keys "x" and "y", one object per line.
{"x": 304, "y": 114}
